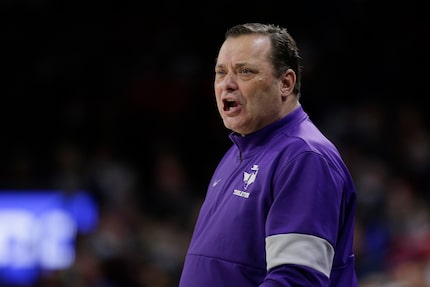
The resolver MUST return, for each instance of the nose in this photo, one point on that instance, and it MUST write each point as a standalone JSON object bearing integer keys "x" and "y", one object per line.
{"x": 229, "y": 82}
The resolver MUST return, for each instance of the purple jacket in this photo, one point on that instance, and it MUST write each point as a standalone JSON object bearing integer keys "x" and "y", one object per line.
{"x": 279, "y": 211}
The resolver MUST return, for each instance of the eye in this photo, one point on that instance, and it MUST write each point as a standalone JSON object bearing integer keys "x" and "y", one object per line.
{"x": 219, "y": 72}
{"x": 244, "y": 71}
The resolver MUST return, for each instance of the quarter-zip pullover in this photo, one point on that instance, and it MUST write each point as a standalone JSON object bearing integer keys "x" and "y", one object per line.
{"x": 279, "y": 211}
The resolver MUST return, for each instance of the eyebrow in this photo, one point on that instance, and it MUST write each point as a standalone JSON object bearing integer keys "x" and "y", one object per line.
{"x": 237, "y": 65}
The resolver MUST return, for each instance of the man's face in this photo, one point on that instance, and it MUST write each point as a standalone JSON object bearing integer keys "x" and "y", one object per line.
{"x": 248, "y": 95}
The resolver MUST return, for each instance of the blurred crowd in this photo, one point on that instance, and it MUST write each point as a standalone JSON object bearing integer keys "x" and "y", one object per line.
{"x": 388, "y": 152}
{"x": 123, "y": 108}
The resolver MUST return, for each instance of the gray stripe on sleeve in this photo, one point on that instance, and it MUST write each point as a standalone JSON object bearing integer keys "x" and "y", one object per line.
{"x": 301, "y": 249}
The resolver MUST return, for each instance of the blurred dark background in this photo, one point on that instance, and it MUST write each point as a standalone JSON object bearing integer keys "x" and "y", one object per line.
{"x": 116, "y": 98}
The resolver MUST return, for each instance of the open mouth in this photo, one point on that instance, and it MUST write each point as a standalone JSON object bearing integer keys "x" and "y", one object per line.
{"x": 228, "y": 104}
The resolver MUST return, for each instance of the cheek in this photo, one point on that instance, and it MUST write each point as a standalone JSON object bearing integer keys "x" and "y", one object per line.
{"x": 218, "y": 90}
{"x": 266, "y": 100}
{"x": 219, "y": 103}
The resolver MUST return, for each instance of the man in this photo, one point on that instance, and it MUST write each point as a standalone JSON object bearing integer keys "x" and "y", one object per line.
{"x": 279, "y": 210}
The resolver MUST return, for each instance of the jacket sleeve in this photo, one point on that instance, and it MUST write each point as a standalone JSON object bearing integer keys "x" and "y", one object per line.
{"x": 303, "y": 222}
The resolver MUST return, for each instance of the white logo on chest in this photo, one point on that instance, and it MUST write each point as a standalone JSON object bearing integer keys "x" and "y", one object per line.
{"x": 248, "y": 179}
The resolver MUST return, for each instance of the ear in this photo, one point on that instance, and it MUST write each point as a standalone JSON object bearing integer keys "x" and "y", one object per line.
{"x": 288, "y": 82}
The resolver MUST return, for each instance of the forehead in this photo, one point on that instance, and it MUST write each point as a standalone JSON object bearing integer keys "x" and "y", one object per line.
{"x": 244, "y": 48}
